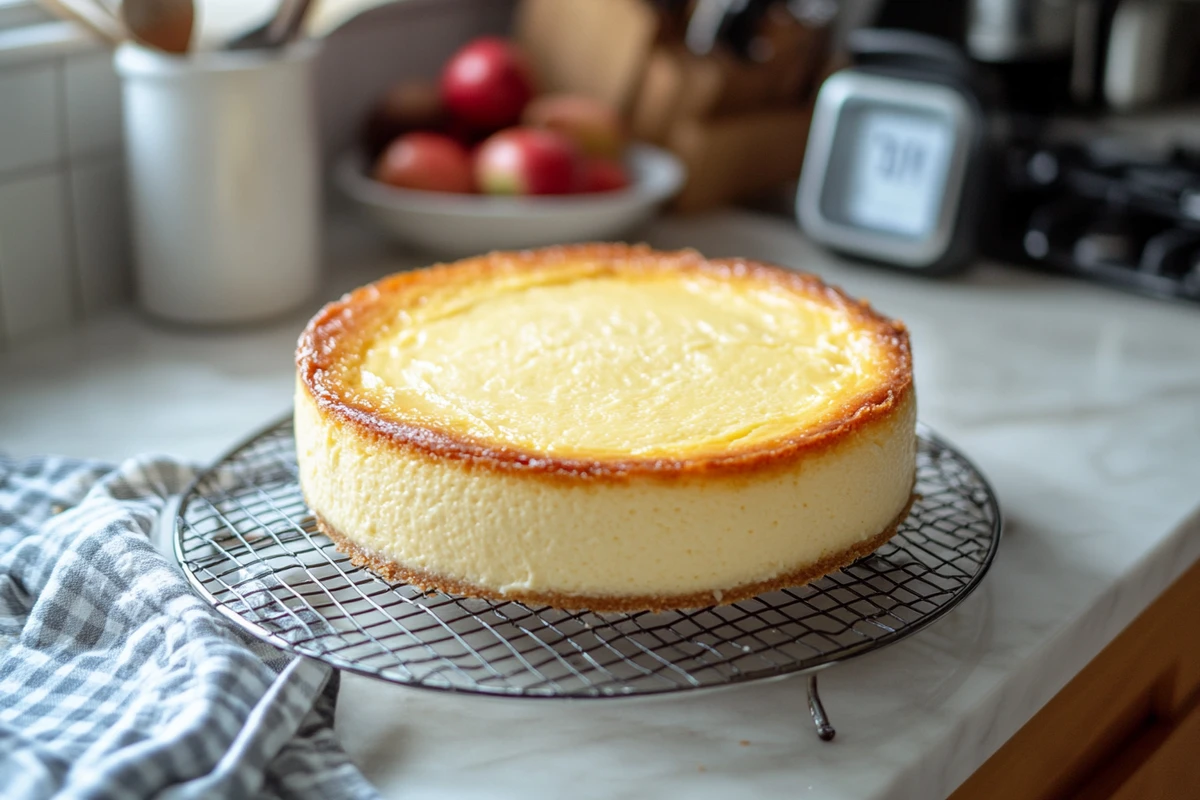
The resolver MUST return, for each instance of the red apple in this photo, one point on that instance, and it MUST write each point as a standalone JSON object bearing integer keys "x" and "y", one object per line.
{"x": 428, "y": 161}
{"x": 407, "y": 106}
{"x": 527, "y": 161}
{"x": 603, "y": 175}
{"x": 487, "y": 84}
{"x": 594, "y": 125}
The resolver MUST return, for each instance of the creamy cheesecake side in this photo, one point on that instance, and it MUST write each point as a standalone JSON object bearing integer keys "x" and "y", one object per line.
{"x": 605, "y": 427}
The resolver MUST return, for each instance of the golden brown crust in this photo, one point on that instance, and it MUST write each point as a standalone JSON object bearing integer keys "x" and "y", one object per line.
{"x": 318, "y": 351}
{"x": 397, "y": 573}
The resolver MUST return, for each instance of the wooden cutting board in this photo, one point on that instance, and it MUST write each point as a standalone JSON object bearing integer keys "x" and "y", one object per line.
{"x": 583, "y": 46}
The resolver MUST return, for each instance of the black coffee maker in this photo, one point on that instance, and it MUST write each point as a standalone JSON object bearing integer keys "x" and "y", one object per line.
{"x": 1069, "y": 56}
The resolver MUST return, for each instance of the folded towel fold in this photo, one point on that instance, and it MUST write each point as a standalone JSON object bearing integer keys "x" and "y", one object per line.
{"x": 117, "y": 680}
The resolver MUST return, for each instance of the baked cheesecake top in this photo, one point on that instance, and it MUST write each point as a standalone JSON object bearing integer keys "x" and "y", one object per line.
{"x": 604, "y": 353}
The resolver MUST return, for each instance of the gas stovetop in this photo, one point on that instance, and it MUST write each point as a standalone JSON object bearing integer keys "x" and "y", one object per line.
{"x": 1107, "y": 211}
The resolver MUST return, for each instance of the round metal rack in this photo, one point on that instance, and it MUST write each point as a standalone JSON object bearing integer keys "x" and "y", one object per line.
{"x": 247, "y": 543}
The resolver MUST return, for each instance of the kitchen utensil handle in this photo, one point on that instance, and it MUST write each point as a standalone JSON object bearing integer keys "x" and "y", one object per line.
{"x": 287, "y": 22}
{"x": 92, "y": 17}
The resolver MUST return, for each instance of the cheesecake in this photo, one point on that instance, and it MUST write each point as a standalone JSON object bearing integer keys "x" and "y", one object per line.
{"x": 605, "y": 427}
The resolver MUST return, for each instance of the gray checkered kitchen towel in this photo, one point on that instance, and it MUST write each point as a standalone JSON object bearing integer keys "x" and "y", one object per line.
{"x": 116, "y": 680}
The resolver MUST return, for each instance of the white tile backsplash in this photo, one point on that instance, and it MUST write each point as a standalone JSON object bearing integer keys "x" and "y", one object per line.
{"x": 64, "y": 230}
{"x": 100, "y": 212}
{"x": 36, "y": 290}
{"x": 64, "y": 227}
{"x": 29, "y": 122}
{"x": 93, "y": 104}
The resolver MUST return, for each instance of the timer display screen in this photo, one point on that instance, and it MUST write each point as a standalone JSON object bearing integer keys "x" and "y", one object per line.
{"x": 894, "y": 165}
{"x": 897, "y": 171}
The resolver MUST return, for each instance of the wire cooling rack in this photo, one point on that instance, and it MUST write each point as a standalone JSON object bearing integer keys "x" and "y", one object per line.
{"x": 248, "y": 544}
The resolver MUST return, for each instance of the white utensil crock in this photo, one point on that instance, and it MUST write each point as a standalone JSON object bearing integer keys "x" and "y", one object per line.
{"x": 224, "y": 181}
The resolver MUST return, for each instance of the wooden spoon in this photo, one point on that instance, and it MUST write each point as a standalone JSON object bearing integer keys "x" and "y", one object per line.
{"x": 162, "y": 24}
{"x": 94, "y": 18}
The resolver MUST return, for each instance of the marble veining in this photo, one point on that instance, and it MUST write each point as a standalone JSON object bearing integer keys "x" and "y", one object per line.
{"x": 1082, "y": 406}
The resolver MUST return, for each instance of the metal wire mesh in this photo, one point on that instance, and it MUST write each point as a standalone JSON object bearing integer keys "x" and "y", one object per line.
{"x": 248, "y": 543}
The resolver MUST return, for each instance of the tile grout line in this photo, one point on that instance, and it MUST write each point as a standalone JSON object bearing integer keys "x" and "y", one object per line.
{"x": 59, "y": 164}
{"x": 3, "y": 325}
{"x": 68, "y": 195}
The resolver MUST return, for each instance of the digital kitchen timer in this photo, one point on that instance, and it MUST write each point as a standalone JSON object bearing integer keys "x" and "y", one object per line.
{"x": 893, "y": 163}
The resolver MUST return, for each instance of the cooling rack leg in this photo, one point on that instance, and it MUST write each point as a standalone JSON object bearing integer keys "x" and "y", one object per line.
{"x": 825, "y": 730}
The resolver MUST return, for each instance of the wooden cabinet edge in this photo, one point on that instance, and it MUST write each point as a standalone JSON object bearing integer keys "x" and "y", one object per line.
{"x": 1122, "y": 725}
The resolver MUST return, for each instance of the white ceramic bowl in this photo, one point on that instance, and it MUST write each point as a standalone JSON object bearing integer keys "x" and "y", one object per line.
{"x": 461, "y": 225}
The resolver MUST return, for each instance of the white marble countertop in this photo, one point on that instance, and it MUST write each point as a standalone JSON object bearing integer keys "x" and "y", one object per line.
{"x": 1081, "y": 405}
